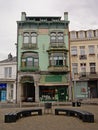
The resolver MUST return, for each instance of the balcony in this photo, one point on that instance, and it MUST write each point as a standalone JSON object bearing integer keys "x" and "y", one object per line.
{"x": 57, "y": 44}
{"x": 29, "y": 69}
{"x": 29, "y": 46}
{"x": 58, "y": 68}
{"x": 83, "y": 57}
{"x": 88, "y": 75}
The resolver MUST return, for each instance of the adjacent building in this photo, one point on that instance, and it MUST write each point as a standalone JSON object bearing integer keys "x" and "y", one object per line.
{"x": 43, "y": 58}
{"x": 84, "y": 63}
{"x": 8, "y": 79}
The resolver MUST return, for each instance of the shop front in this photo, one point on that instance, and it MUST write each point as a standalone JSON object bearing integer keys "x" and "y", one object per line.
{"x": 53, "y": 93}
{"x": 53, "y": 88}
{"x": 81, "y": 89}
{"x": 3, "y": 92}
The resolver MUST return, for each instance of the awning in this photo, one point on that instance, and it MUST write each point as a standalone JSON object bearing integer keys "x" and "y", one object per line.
{"x": 53, "y": 80}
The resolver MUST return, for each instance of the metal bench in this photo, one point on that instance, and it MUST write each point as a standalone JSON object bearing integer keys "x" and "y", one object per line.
{"x": 10, "y": 117}
{"x": 14, "y": 116}
{"x": 31, "y": 111}
{"x": 83, "y": 115}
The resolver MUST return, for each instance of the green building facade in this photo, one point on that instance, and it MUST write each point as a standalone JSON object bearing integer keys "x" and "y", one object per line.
{"x": 43, "y": 58}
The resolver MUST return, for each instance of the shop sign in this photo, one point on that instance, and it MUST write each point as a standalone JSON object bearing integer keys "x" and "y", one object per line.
{"x": 3, "y": 85}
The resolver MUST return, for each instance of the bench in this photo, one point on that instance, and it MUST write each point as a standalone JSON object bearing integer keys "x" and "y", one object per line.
{"x": 76, "y": 104}
{"x": 14, "y": 116}
{"x": 83, "y": 115}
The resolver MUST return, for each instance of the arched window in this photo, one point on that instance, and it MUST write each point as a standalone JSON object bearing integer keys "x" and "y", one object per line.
{"x": 53, "y": 37}
{"x": 60, "y": 37}
{"x": 33, "y": 37}
{"x": 26, "y": 37}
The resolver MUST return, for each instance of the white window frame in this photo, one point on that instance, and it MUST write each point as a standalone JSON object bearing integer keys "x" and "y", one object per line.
{"x": 91, "y": 49}
{"x": 33, "y": 37}
{"x": 26, "y": 37}
{"x": 75, "y": 68}
{"x": 92, "y": 67}
{"x": 73, "y": 50}
{"x": 82, "y": 50}
{"x": 8, "y": 72}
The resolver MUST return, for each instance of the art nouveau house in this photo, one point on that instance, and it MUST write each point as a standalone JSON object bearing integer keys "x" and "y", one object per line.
{"x": 43, "y": 58}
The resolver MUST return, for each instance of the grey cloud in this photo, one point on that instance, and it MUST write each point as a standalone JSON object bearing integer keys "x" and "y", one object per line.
{"x": 82, "y": 15}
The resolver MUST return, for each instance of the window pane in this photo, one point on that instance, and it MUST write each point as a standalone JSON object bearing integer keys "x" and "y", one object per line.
{"x": 8, "y": 72}
{"x": 81, "y": 34}
{"x": 60, "y": 37}
{"x": 92, "y": 67}
{"x": 82, "y": 50}
{"x": 36, "y": 62}
{"x": 53, "y": 37}
{"x": 26, "y": 38}
{"x": 23, "y": 62}
{"x": 91, "y": 49}
{"x": 74, "y": 50}
{"x": 33, "y": 38}
{"x": 29, "y": 61}
{"x": 75, "y": 67}
{"x": 73, "y": 35}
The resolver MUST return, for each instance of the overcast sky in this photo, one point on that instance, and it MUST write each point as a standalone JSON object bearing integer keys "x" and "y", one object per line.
{"x": 83, "y": 15}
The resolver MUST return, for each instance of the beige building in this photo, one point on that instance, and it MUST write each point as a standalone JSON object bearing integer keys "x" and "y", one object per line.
{"x": 84, "y": 63}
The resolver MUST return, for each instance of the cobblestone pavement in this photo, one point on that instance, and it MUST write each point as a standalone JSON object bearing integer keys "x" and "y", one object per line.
{"x": 50, "y": 121}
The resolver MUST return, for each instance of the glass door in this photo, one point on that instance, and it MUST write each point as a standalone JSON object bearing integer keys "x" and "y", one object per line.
{"x": 3, "y": 95}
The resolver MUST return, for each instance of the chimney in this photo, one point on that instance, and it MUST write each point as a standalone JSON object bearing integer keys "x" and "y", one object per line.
{"x": 66, "y": 16}
{"x": 10, "y": 56}
{"x": 23, "y": 16}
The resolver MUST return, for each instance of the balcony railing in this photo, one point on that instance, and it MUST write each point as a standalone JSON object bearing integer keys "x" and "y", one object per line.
{"x": 29, "y": 45}
{"x": 88, "y": 75}
{"x": 57, "y": 44}
{"x": 83, "y": 57}
{"x": 58, "y": 68}
{"x": 31, "y": 69}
